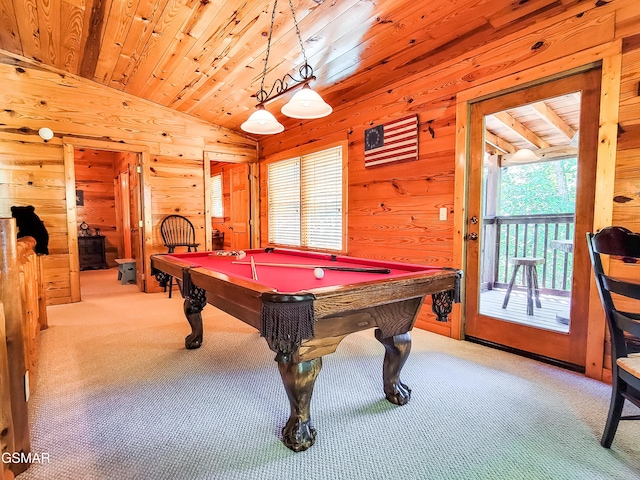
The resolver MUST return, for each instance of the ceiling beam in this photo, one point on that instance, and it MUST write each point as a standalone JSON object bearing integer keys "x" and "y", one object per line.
{"x": 521, "y": 130}
{"x": 552, "y": 118}
{"x": 498, "y": 143}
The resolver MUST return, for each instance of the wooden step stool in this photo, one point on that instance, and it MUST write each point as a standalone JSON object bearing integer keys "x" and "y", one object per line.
{"x": 126, "y": 270}
{"x": 531, "y": 280}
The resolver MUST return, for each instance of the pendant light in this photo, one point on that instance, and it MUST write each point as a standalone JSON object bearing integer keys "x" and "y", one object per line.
{"x": 305, "y": 104}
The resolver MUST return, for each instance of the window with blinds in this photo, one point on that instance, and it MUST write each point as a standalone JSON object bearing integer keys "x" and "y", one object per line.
{"x": 216, "y": 196}
{"x": 305, "y": 201}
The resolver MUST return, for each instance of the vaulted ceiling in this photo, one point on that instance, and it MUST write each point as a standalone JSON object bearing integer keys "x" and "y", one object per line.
{"x": 205, "y": 57}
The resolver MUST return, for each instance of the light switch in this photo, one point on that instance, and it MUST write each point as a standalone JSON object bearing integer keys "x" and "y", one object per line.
{"x": 443, "y": 213}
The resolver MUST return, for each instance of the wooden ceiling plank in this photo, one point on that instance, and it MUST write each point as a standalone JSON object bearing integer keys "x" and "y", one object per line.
{"x": 552, "y": 118}
{"x": 173, "y": 17}
{"x": 117, "y": 26}
{"x": 441, "y": 27}
{"x": 184, "y": 66}
{"x": 189, "y": 63}
{"x": 9, "y": 32}
{"x": 517, "y": 10}
{"x": 520, "y": 129}
{"x": 49, "y": 28}
{"x": 72, "y": 20}
{"x": 94, "y": 24}
{"x": 143, "y": 25}
{"x": 27, "y": 19}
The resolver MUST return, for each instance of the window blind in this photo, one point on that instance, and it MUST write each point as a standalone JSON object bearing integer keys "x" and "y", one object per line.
{"x": 305, "y": 200}
{"x": 321, "y": 199}
{"x": 216, "y": 196}
{"x": 284, "y": 202}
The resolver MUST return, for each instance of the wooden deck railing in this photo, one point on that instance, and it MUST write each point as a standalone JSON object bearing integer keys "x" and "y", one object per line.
{"x": 543, "y": 236}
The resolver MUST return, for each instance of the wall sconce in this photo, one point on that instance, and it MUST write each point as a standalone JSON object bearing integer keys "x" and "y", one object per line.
{"x": 45, "y": 133}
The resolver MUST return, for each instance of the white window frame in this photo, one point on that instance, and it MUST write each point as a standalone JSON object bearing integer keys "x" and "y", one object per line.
{"x": 309, "y": 234}
{"x": 217, "y": 199}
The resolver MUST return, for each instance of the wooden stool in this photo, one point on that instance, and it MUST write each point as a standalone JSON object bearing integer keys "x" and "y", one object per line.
{"x": 126, "y": 270}
{"x": 531, "y": 279}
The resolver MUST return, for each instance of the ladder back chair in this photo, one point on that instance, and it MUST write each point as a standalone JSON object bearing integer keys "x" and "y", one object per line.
{"x": 624, "y": 327}
{"x": 178, "y": 231}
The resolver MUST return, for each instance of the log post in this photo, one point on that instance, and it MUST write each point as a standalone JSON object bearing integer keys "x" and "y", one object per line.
{"x": 6, "y": 422}
{"x": 11, "y": 298}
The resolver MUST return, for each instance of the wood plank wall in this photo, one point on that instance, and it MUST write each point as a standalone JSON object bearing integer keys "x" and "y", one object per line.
{"x": 94, "y": 176}
{"x": 393, "y": 210}
{"x": 32, "y": 171}
{"x": 177, "y": 186}
{"x": 626, "y": 196}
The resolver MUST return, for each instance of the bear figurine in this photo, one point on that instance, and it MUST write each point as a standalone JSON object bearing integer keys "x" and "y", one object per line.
{"x": 30, "y": 225}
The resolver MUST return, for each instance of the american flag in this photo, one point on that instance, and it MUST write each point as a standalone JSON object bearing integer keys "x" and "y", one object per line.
{"x": 392, "y": 142}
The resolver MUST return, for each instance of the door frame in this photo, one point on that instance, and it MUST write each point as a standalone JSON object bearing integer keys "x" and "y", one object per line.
{"x": 69, "y": 145}
{"x": 609, "y": 57}
{"x": 254, "y": 197}
{"x": 568, "y": 348}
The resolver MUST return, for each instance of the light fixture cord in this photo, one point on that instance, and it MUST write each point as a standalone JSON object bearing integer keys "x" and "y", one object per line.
{"x": 266, "y": 58}
{"x": 295, "y": 22}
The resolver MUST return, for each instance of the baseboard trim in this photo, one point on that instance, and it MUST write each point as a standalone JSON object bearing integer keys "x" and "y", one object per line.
{"x": 541, "y": 358}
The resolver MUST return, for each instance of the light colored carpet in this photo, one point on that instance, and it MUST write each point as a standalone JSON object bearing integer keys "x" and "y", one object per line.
{"x": 118, "y": 397}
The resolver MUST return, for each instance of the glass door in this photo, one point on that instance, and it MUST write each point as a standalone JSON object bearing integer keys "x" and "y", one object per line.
{"x": 531, "y": 187}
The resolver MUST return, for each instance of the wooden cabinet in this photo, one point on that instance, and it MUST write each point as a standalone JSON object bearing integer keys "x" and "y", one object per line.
{"x": 91, "y": 251}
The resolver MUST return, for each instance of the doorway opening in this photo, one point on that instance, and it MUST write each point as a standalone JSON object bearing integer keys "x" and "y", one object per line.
{"x": 230, "y": 191}
{"x": 108, "y": 209}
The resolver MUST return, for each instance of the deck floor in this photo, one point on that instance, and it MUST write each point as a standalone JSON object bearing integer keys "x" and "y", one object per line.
{"x": 553, "y": 307}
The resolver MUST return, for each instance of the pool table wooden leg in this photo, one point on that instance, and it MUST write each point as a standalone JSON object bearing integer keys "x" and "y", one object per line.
{"x": 298, "y": 379}
{"x": 194, "y": 302}
{"x": 397, "y": 348}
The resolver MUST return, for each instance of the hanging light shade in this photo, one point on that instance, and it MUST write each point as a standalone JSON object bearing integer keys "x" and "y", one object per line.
{"x": 524, "y": 155}
{"x": 306, "y": 104}
{"x": 262, "y": 122}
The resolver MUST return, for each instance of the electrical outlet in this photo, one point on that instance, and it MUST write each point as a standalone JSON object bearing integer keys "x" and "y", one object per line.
{"x": 443, "y": 213}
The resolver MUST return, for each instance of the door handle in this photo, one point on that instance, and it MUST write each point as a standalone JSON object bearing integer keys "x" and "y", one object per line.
{"x": 472, "y": 236}
{"x": 473, "y": 220}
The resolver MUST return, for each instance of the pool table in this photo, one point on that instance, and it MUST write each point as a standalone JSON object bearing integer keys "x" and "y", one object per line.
{"x": 303, "y": 317}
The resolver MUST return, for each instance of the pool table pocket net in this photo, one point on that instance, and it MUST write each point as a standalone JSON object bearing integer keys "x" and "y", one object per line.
{"x": 286, "y": 320}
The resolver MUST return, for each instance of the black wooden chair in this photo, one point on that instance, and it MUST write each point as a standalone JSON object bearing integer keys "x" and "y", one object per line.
{"x": 624, "y": 327}
{"x": 178, "y": 231}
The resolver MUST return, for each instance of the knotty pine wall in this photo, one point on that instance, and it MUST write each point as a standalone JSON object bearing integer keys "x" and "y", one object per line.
{"x": 177, "y": 188}
{"x": 94, "y": 176}
{"x": 393, "y": 211}
{"x": 32, "y": 172}
{"x": 626, "y": 196}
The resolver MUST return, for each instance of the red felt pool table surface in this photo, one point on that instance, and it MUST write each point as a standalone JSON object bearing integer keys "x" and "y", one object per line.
{"x": 290, "y": 280}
